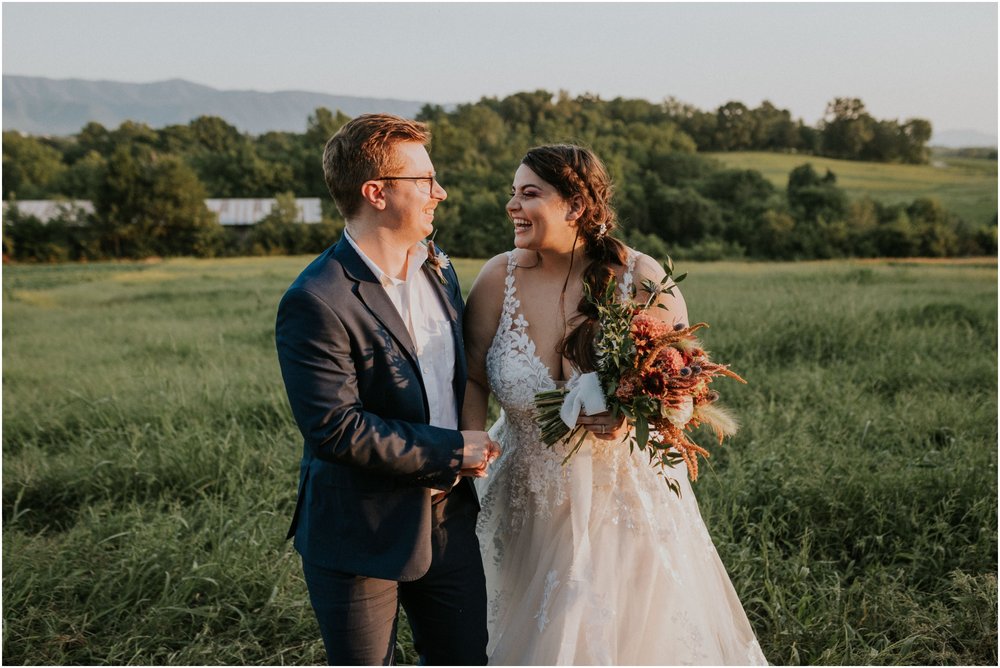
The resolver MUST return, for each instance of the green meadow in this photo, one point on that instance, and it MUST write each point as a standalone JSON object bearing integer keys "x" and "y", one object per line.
{"x": 150, "y": 461}
{"x": 965, "y": 186}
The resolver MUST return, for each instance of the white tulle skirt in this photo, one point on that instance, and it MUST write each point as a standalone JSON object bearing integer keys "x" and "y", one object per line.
{"x": 598, "y": 563}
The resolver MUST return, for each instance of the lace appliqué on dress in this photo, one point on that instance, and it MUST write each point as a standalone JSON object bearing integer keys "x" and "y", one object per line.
{"x": 551, "y": 582}
{"x": 516, "y": 374}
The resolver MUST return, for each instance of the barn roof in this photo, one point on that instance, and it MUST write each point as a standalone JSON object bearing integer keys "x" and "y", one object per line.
{"x": 47, "y": 209}
{"x": 248, "y": 211}
{"x": 231, "y": 211}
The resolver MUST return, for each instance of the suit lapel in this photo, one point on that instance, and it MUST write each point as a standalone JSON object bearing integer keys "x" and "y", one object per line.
{"x": 445, "y": 294}
{"x": 371, "y": 292}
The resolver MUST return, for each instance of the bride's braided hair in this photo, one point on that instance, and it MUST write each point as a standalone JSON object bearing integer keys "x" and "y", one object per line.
{"x": 576, "y": 171}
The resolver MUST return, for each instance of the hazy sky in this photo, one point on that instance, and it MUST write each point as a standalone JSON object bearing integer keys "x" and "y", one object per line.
{"x": 930, "y": 60}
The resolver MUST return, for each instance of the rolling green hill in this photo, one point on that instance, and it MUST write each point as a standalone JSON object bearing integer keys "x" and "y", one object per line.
{"x": 966, "y": 186}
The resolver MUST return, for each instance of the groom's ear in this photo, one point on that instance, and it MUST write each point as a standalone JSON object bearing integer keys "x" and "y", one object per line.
{"x": 373, "y": 194}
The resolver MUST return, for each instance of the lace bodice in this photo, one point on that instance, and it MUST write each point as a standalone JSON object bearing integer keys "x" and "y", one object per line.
{"x": 514, "y": 370}
{"x": 515, "y": 374}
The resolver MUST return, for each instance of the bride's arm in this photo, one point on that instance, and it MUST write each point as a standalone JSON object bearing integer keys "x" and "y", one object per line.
{"x": 676, "y": 309}
{"x": 482, "y": 316}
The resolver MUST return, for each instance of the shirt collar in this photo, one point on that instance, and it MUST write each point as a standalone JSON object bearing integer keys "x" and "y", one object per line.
{"x": 413, "y": 263}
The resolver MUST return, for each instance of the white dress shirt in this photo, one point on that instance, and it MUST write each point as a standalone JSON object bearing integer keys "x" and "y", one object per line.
{"x": 419, "y": 305}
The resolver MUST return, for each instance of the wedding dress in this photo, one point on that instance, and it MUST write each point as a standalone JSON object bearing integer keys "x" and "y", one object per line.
{"x": 595, "y": 562}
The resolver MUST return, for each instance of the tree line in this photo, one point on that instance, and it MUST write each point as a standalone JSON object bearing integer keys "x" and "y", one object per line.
{"x": 847, "y": 131}
{"x": 148, "y": 185}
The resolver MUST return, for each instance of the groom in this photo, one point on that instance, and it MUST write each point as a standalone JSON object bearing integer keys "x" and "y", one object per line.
{"x": 370, "y": 344}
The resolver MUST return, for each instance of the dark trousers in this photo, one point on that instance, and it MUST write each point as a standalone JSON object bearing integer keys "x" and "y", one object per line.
{"x": 446, "y": 607}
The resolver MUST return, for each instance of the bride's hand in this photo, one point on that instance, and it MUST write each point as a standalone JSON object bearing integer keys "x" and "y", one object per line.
{"x": 603, "y": 426}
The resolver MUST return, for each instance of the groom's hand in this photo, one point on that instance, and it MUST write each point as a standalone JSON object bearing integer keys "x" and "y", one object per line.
{"x": 479, "y": 452}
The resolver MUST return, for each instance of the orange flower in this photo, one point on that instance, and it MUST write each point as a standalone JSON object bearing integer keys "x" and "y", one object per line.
{"x": 670, "y": 360}
{"x": 645, "y": 331}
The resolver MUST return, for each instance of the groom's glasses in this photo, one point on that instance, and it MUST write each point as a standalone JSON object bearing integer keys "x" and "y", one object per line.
{"x": 425, "y": 184}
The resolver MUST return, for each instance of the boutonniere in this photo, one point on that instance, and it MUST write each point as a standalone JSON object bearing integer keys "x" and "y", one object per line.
{"x": 437, "y": 260}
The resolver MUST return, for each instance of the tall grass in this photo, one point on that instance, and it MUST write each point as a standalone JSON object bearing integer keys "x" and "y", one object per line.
{"x": 150, "y": 459}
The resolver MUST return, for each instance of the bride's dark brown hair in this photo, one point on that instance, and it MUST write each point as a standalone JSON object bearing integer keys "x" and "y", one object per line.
{"x": 575, "y": 171}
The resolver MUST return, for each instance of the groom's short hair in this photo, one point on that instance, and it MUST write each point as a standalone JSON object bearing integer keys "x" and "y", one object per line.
{"x": 362, "y": 150}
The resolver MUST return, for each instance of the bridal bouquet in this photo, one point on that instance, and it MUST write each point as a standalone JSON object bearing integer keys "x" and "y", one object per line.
{"x": 657, "y": 376}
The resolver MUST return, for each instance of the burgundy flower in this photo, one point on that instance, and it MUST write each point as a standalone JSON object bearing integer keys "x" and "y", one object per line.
{"x": 654, "y": 382}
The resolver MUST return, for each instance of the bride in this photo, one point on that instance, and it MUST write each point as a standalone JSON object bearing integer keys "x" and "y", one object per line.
{"x": 595, "y": 561}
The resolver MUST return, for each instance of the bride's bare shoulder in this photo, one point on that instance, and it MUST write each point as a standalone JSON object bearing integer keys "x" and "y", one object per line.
{"x": 485, "y": 300}
{"x": 493, "y": 270}
{"x": 647, "y": 267}
{"x": 641, "y": 267}
{"x": 489, "y": 284}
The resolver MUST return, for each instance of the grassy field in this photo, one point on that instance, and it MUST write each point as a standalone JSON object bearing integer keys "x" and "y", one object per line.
{"x": 150, "y": 461}
{"x": 967, "y": 187}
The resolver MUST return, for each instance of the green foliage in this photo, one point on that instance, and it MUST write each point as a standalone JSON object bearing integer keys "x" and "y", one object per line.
{"x": 698, "y": 206}
{"x": 29, "y": 166}
{"x": 811, "y": 197}
{"x": 150, "y": 204}
{"x": 966, "y": 187}
{"x": 847, "y": 131}
{"x": 68, "y": 236}
{"x": 280, "y": 233}
{"x": 150, "y": 460}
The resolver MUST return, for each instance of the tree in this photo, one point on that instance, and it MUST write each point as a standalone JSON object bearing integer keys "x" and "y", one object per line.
{"x": 700, "y": 125}
{"x": 738, "y": 190}
{"x": 896, "y": 236}
{"x": 734, "y": 127}
{"x": 773, "y": 129}
{"x": 526, "y": 108}
{"x": 775, "y": 237}
{"x": 67, "y": 236}
{"x": 935, "y": 228}
{"x": 149, "y": 204}
{"x": 323, "y": 124}
{"x": 132, "y": 134}
{"x": 277, "y": 232}
{"x": 917, "y": 132}
{"x": 683, "y": 216}
{"x": 846, "y": 128}
{"x": 885, "y": 144}
{"x": 94, "y": 137}
{"x": 82, "y": 179}
{"x": 676, "y": 168}
{"x": 29, "y": 166}
{"x": 812, "y": 197}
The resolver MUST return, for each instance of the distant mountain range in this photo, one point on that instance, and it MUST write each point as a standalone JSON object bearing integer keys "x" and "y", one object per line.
{"x": 962, "y": 139}
{"x": 63, "y": 106}
{"x": 43, "y": 106}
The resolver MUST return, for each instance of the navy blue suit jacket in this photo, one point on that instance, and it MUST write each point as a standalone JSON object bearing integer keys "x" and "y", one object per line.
{"x": 370, "y": 459}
